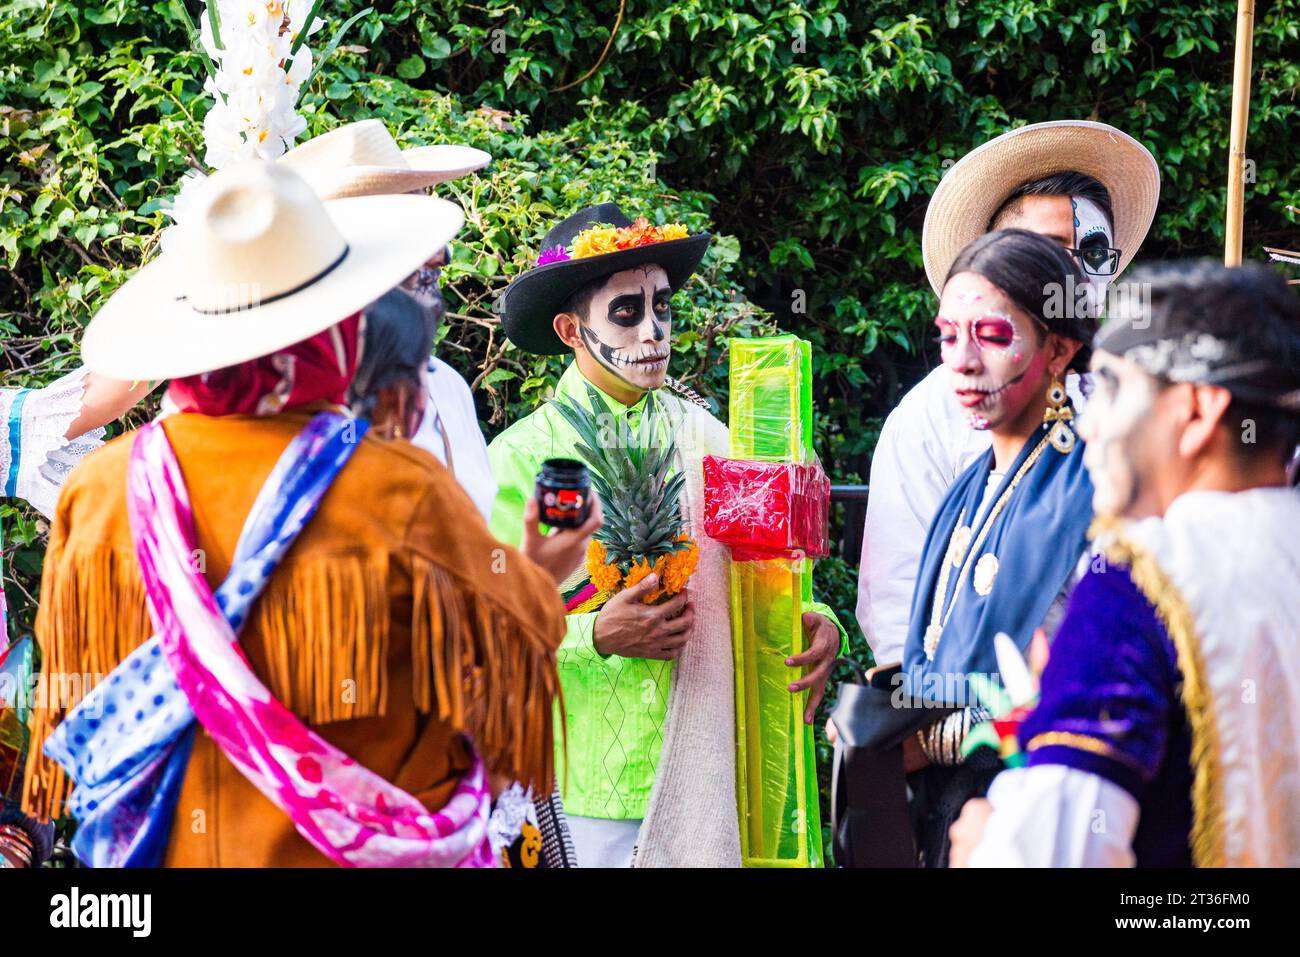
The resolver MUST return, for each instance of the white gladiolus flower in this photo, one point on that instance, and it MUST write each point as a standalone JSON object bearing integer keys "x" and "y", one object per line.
{"x": 297, "y": 11}
{"x": 250, "y": 64}
{"x": 299, "y": 70}
{"x": 255, "y": 85}
{"x": 223, "y": 137}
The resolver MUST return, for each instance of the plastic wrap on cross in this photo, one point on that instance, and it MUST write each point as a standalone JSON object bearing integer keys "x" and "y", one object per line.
{"x": 767, "y": 509}
{"x": 770, "y": 498}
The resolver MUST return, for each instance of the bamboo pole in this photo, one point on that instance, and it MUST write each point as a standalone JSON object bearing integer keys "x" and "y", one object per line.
{"x": 1237, "y": 141}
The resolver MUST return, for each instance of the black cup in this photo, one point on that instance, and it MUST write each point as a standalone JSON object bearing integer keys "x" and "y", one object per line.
{"x": 564, "y": 493}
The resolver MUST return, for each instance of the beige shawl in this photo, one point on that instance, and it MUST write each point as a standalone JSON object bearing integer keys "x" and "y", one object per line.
{"x": 692, "y": 818}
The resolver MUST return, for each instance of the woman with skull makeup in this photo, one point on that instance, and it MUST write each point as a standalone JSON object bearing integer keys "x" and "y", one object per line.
{"x": 1006, "y": 538}
{"x": 1087, "y": 186}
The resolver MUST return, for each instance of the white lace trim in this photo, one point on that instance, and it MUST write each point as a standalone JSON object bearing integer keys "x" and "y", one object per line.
{"x": 45, "y": 456}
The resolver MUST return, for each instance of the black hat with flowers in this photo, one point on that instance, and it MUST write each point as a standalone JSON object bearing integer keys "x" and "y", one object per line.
{"x": 593, "y": 243}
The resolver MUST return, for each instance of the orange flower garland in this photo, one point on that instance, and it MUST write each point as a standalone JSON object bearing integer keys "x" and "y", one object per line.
{"x": 606, "y": 578}
{"x": 678, "y": 568}
{"x": 599, "y": 240}
{"x": 674, "y": 570}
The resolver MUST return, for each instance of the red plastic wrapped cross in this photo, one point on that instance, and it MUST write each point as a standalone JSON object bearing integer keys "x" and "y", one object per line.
{"x": 767, "y": 509}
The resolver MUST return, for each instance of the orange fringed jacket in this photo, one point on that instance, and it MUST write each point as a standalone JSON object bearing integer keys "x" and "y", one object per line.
{"x": 395, "y": 623}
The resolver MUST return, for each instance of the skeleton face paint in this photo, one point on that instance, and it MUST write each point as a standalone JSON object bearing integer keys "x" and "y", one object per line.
{"x": 1075, "y": 223}
{"x": 1092, "y": 235}
{"x": 628, "y": 326}
{"x": 993, "y": 351}
{"x": 1116, "y": 427}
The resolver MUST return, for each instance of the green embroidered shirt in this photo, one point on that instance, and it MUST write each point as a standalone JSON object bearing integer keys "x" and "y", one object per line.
{"x": 615, "y": 707}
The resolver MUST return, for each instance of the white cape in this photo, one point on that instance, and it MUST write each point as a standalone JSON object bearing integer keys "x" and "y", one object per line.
{"x": 1223, "y": 570}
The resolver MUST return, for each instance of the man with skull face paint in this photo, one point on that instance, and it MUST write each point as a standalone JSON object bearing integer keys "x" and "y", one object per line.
{"x": 636, "y": 677}
{"x": 1171, "y": 702}
{"x": 1088, "y": 187}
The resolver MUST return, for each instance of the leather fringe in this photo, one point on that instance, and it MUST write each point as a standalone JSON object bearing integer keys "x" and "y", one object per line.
{"x": 92, "y": 615}
{"x": 324, "y": 627}
{"x": 476, "y": 669}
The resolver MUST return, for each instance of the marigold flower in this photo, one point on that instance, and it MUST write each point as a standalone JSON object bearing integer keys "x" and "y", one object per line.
{"x": 660, "y": 591}
{"x": 605, "y": 577}
{"x": 599, "y": 240}
{"x": 595, "y": 241}
{"x": 639, "y": 570}
{"x": 678, "y": 568}
{"x": 646, "y": 235}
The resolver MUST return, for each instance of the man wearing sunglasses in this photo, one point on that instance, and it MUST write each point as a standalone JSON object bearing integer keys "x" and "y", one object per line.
{"x": 1086, "y": 185}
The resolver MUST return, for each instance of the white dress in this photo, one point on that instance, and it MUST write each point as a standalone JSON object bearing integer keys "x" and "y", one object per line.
{"x": 450, "y": 431}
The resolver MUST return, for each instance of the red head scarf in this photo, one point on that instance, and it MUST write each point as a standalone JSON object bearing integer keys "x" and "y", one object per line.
{"x": 318, "y": 369}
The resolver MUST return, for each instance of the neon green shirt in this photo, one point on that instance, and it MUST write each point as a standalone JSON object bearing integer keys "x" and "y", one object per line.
{"x": 614, "y": 707}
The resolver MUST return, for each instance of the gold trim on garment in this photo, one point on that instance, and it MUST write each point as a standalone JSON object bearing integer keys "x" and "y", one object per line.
{"x": 1079, "y": 742}
{"x": 1207, "y": 759}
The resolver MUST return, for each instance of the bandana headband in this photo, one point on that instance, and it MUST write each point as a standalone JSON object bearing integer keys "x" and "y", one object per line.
{"x": 1206, "y": 359}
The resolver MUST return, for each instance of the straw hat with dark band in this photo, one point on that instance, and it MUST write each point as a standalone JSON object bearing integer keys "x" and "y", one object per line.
{"x": 363, "y": 159}
{"x": 980, "y": 182}
{"x": 259, "y": 262}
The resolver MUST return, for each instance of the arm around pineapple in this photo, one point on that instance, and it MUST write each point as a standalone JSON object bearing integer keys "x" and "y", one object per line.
{"x": 629, "y": 628}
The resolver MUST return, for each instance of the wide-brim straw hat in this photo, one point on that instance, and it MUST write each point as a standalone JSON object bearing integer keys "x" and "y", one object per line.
{"x": 363, "y": 159}
{"x": 533, "y": 299}
{"x": 258, "y": 263}
{"x": 980, "y": 182}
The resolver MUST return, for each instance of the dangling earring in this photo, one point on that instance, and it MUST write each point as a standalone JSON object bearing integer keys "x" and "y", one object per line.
{"x": 1058, "y": 415}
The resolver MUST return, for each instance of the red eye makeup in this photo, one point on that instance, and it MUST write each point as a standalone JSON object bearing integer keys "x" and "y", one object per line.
{"x": 994, "y": 331}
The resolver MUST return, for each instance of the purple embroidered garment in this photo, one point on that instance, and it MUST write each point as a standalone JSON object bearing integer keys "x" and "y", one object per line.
{"x": 1110, "y": 706}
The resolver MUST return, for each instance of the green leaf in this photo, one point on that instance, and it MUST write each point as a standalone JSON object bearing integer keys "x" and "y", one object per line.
{"x": 725, "y": 249}
{"x": 436, "y": 49}
{"x": 410, "y": 68}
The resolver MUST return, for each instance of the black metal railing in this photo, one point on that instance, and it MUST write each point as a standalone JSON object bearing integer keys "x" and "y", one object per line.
{"x": 852, "y": 500}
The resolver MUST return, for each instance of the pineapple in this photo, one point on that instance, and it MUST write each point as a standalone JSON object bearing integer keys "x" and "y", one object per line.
{"x": 643, "y": 519}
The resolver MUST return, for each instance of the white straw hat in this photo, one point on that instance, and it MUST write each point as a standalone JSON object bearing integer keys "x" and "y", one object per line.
{"x": 363, "y": 159}
{"x": 259, "y": 262}
{"x": 980, "y": 182}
